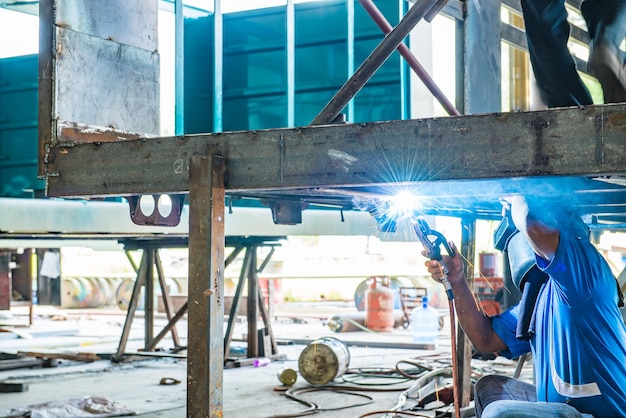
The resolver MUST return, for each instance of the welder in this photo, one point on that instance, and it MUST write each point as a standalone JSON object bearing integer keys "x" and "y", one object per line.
{"x": 568, "y": 318}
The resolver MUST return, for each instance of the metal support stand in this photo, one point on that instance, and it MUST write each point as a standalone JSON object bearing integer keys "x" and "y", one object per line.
{"x": 145, "y": 278}
{"x": 255, "y": 305}
{"x": 145, "y": 275}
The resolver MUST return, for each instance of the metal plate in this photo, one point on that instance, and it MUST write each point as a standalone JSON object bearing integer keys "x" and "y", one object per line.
{"x": 104, "y": 83}
{"x": 132, "y": 23}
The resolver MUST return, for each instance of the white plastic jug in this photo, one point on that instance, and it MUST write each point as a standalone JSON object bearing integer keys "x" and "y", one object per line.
{"x": 425, "y": 324}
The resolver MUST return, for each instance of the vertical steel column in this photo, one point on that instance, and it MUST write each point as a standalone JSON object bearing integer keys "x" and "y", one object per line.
{"x": 205, "y": 350}
{"x": 464, "y": 345}
{"x": 149, "y": 296}
{"x": 253, "y": 304}
{"x": 483, "y": 74}
{"x": 405, "y": 85}
{"x": 350, "y": 12}
{"x": 179, "y": 68}
{"x": 459, "y": 62}
{"x": 46, "y": 82}
{"x": 218, "y": 66}
{"x": 290, "y": 55}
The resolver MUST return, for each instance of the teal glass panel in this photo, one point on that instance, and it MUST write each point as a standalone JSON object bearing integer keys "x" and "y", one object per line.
{"x": 255, "y": 70}
{"x": 18, "y": 127}
{"x": 255, "y": 79}
{"x": 198, "y": 75}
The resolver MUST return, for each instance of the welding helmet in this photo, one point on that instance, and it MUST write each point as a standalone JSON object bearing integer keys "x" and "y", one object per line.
{"x": 525, "y": 273}
{"x": 529, "y": 279}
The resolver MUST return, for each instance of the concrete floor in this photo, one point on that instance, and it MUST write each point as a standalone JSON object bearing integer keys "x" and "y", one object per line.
{"x": 248, "y": 391}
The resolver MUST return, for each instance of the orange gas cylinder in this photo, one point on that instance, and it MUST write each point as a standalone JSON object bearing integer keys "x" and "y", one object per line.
{"x": 379, "y": 315}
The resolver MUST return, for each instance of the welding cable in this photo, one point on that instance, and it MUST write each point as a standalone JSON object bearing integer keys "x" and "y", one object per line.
{"x": 294, "y": 394}
{"x": 406, "y": 372}
{"x": 394, "y": 413}
{"x": 373, "y": 373}
{"x": 455, "y": 365}
{"x": 419, "y": 383}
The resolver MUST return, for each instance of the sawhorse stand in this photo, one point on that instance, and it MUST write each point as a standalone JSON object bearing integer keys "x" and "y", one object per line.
{"x": 150, "y": 261}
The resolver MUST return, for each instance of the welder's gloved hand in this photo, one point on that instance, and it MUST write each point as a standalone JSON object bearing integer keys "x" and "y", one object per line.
{"x": 453, "y": 265}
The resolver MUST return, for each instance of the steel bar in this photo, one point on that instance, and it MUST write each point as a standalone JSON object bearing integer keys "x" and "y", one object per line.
{"x": 148, "y": 308}
{"x": 171, "y": 325}
{"x": 350, "y": 52}
{"x": 234, "y": 307}
{"x": 560, "y": 142}
{"x": 205, "y": 361}
{"x": 179, "y": 68}
{"x": 218, "y": 66}
{"x": 253, "y": 304}
{"x": 266, "y": 312}
{"x": 45, "y": 91}
{"x": 406, "y": 53}
{"x": 290, "y": 61}
{"x": 167, "y": 301}
{"x": 373, "y": 62}
{"x": 132, "y": 308}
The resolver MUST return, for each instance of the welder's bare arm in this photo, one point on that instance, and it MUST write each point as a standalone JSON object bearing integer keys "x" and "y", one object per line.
{"x": 536, "y": 223}
{"x": 475, "y": 324}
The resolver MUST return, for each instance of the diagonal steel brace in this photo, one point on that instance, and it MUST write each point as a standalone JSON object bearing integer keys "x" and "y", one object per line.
{"x": 406, "y": 53}
{"x": 375, "y": 60}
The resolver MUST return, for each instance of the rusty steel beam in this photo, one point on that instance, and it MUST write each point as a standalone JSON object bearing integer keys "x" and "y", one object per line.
{"x": 205, "y": 345}
{"x": 570, "y": 141}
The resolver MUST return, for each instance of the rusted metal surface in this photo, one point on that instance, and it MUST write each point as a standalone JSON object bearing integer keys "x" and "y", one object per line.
{"x": 105, "y": 84}
{"x": 5, "y": 281}
{"x": 115, "y": 18}
{"x": 330, "y": 161}
{"x": 156, "y": 218}
{"x": 205, "y": 349}
{"x": 87, "y": 45}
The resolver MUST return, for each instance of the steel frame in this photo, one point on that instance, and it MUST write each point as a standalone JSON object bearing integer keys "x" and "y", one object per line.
{"x": 335, "y": 163}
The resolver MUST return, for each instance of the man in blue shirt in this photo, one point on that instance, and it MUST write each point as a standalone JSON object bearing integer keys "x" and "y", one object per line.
{"x": 578, "y": 338}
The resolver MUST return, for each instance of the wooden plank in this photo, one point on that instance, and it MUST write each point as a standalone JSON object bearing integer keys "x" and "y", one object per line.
{"x": 86, "y": 357}
{"x": 570, "y": 141}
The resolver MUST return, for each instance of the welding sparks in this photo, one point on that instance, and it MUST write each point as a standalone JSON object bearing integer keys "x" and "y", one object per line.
{"x": 389, "y": 212}
{"x": 404, "y": 204}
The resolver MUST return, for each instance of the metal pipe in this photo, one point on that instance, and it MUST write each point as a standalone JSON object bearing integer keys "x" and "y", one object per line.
{"x": 373, "y": 62}
{"x": 406, "y": 53}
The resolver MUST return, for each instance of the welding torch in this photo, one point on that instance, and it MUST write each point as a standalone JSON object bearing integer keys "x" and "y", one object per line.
{"x": 432, "y": 241}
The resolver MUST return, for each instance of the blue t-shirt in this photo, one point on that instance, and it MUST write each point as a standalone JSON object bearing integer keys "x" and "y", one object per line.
{"x": 579, "y": 346}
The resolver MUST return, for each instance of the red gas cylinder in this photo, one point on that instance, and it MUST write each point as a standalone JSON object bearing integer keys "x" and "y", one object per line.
{"x": 379, "y": 315}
